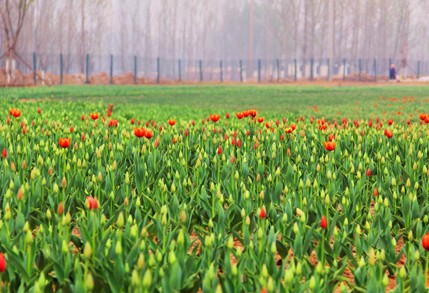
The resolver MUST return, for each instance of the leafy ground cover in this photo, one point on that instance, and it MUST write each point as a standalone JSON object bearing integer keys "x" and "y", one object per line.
{"x": 236, "y": 188}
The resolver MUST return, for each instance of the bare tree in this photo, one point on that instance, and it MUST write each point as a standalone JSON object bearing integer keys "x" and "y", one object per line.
{"x": 12, "y": 15}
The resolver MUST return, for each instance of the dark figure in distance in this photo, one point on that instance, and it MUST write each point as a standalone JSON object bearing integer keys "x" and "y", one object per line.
{"x": 392, "y": 72}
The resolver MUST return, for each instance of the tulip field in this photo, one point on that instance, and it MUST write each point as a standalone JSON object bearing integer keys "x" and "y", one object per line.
{"x": 214, "y": 189}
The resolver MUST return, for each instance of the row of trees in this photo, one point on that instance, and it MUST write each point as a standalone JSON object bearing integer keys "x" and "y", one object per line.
{"x": 213, "y": 30}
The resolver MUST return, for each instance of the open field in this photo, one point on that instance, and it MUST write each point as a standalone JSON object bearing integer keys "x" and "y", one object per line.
{"x": 292, "y": 188}
{"x": 355, "y": 100}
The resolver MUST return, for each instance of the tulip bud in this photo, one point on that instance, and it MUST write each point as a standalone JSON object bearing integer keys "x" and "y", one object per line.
{"x": 147, "y": 278}
{"x": 89, "y": 282}
{"x": 312, "y": 283}
{"x": 87, "y": 250}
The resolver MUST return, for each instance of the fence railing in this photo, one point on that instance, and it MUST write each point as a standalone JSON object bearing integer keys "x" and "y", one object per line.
{"x": 109, "y": 69}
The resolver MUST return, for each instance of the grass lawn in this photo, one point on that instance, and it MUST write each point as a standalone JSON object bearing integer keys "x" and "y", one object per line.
{"x": 334, "y": 101}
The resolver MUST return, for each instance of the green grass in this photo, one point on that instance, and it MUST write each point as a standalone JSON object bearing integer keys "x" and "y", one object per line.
{"x": 332, "y": 102}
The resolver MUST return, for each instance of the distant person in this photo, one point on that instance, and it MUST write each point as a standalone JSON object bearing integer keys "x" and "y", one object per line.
{"x": 392, "y": 72}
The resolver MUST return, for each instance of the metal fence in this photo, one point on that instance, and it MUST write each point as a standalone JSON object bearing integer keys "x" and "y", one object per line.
{"x": 109, "y": 69}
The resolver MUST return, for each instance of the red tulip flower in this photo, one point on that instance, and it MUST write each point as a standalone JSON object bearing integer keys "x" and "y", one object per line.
{"x": 388, "y": 133}
{"x": 39, "y": 110}
{"x": 262, "y": 213}
{"x": 94, "y": 115}
{"x": 214, "y": 117}
{"x": 132, "y": 121}
{"x": 172, "y": 122}
{"x": 148, "y": 134}
{"x": 324, "y": 222}
{"x": 253, "y": 113}
{"x": 4, "y": 153}
{"x": 64, "y": 142}
{"x": 260, "y": 119}
{"x": 425, "y": 241}
{"x": 390, "y": 121}
{"x": 227, "y": 115}
{"x": 2, "y": 263}
{"x": 113, "y": 123}
{"x": 331, "y": 137}
{"x": 240, "y": 115}
{"x": 91, "y": 203}
{"x": 15, "y": 112}
{"x": 330, "y": 145}
{"x": 219, "y": 150}
{"x": 139, "y": 132}
{"x": 368, "y": 172}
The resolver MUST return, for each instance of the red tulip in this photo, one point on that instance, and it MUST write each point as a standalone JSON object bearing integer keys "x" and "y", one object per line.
{"x": 148, "y": 134}
{"x": 39, "y": 110}
{"x": 330, "y": 145}
{"x": 425, "y": 241}
{"x": 132, "y": 121}
{"x": 4, "y": 153}
{"x": 260, "y": 119}
{"x": 262, "y": 213}
{"x": 82, "y": 117}
{"x": 113, "y": 123}
{"x": 324, "y": 222}
{"x": 388, "y": 133}
{"x": 214, "y": 117}
{"x": 94, "y": 115}
{"x": 139, "y": 132}
{"x": 219, "y": 150}
{"x": 2, "y": 263}
{"x": 253, "y": 113}
{"x": 246, "y": 113}
{"x": 375, "y": 192}
{"x": 227, "y": 115}
{"x": 172, "y": 122}
{"x": 240, "y": 115}
{"x": 91, "y": 203}
{"x": 15, "y": 112}
{"x": 331, "y": 137}
{"x": 368, "y": 172}
{"x": 64, "y": 142}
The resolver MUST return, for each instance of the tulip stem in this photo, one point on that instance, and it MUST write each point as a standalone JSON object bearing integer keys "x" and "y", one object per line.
{"x": 426, "y": 269}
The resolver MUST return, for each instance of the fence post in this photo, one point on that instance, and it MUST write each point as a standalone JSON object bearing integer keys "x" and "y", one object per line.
{"x": 375, "y": 69}
{"x": 135, "y": 69}
{"x": 295, "y": 70}
{"x": 360, "y": 69}
{"x": 418, "y": 69}
{"x": 328, "y": 63}
{"x": 34, "y": 67}
{"x": 259, "y": 70}
{"x": 111, "y": 69}
{"x": 180, "y": 69}
{"x": 278, "y": 69}
{"x": 344, "y": 69}
{"x": 87, "y": 69}
{"x": 61, "y": 68}
{"x": 201, "y": 70}
{"x": 241, "y": 70}
{"x": 221, "y": 70}
{"x": 158, "y": 69}
{"x": 311, "y": 69}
